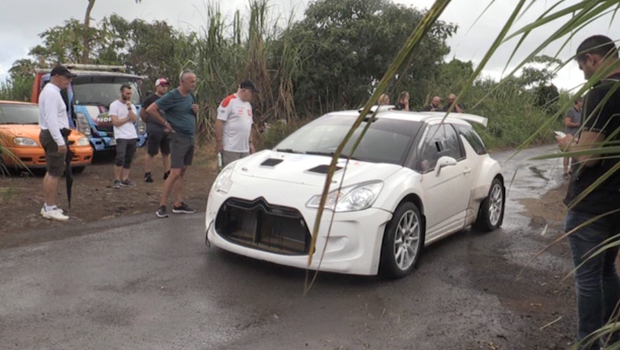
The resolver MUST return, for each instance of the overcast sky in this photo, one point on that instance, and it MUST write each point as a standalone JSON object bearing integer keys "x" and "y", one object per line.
{"x": 22, "y": 21}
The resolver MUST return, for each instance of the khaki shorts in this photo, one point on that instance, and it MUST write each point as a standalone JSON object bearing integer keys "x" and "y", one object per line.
{"x": 229, "y": 157}
{"x": 55, "y": 161}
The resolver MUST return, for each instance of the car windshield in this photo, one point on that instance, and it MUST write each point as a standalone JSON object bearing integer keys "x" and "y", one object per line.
{"x": 102, "y": 91}
{"x": 386, "y": 141}
{"x": 19, "y": 114}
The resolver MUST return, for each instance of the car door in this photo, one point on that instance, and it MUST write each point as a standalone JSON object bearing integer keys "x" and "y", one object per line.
{"x": 447, "y": 191}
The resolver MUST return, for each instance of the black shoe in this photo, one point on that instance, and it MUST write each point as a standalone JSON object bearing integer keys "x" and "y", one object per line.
{"x": 182, "y": 209}
{"x": 127, "y": 183}
{"x": 162, "y": 212}
{"x": 148, "y": 177}
{"x": 166, "y": 174}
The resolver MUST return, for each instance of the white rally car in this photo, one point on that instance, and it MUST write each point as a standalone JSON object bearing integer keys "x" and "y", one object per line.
{"x": 412, "y": 180}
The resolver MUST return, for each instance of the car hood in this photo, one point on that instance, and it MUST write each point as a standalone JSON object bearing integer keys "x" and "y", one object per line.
{"x": 31, "y": 131}
{"x": 21, "y": 130}
{"x": 309, "y": 170}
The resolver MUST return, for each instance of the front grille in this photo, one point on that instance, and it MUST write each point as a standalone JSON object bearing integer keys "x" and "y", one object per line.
{"x": 260, "y": 225}
{"x": 108, "y": 129}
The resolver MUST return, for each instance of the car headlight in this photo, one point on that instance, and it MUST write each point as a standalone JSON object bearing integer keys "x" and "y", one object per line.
{"x": 141, "y": 127}
{"x": 82, "y": 124}
{"x": 224, "y": 180}
{"x": 83, "y": 141}
{"x": 25, "y": 141}
{"x": 350, "y": 198}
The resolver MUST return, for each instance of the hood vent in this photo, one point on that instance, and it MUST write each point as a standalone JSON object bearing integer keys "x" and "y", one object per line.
{"x": 271, "y": 162}
{"x": 322, "y": 169}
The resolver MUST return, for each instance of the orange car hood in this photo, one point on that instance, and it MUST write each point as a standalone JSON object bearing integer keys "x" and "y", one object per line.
{"x": 30, "y": 130}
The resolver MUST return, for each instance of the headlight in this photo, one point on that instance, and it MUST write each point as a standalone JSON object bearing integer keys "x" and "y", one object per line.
{"x": 351, "y": 198}
{"x": 83, "y": 141}
{"x": 224, "y": 180}
{"x": 25, "y": 141}
{"x": 141, "y": 128}
{"x": 82, "y": 124}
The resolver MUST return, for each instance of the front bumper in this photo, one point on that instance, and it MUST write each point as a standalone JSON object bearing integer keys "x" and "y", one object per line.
{"x": 34, "y": 158}
{"x": 107, "y": 143}
{"x": 353, "y": 247}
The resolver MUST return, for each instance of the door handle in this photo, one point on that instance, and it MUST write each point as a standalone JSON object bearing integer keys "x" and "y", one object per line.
{"x": 467, "y": 171}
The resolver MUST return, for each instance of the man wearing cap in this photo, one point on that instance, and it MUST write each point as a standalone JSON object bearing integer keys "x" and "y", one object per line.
{"x": 181, "y": 109}
{"x": 54, "y": 125}
{"x": 233, "y": 127}
{"x": 158, "y": 139}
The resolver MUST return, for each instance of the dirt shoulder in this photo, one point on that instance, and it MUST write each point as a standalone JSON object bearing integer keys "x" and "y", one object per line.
{"x": 93, "y": 198}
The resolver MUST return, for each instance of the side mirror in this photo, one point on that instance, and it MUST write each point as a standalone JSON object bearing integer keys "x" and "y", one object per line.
{"x": 444, "y": 162}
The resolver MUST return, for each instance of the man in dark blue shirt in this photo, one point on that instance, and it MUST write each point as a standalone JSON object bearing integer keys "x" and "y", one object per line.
{"x": 181, "y": 109}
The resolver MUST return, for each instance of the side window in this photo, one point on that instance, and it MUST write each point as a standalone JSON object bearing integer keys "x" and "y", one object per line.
{"x": 452, "y": 146}
{"x": 439, "y": 140}
{"x": 472, "y": 138}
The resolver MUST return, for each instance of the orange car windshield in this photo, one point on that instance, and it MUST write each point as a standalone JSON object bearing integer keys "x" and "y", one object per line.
{"x": 19, "y": 114}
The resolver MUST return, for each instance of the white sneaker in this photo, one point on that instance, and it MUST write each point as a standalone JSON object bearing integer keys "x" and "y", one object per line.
{"x": 43, "y": 210}
{"x": 55, "y": 214}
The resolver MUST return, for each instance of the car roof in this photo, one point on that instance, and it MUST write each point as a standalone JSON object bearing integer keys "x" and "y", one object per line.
{"x": 17, "y": 103}
{"x": 385, "y": 112}
{"x": 105, "y": 74}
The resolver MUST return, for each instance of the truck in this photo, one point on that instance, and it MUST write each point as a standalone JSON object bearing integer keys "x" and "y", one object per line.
{"x": 90, "y": 94}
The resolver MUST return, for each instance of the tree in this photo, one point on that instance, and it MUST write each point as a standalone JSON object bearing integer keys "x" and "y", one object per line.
{"x": 86, "y": 32}
{"x": 351, "y": 43}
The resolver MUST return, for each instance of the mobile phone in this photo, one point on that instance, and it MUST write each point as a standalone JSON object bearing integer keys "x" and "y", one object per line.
{"x": 560, "y": 134}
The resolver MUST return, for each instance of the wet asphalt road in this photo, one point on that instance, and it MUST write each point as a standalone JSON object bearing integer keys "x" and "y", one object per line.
{"x": 147, "y": 283}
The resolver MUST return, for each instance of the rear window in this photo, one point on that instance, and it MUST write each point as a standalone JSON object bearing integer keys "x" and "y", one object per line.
{"x": 472, "y": 138}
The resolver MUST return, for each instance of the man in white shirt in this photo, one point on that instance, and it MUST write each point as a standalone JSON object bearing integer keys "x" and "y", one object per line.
{"x": 54, "y": 130}
{"x": 123, "y": 114}
{"x": 233, "y": 128}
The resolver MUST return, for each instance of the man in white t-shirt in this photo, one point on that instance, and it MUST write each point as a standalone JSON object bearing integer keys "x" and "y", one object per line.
{"x": 123, "y": 114}
{"x": 233, "y": 128}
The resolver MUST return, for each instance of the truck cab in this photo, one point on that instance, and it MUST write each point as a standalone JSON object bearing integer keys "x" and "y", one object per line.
{"x": 91, "y": 92}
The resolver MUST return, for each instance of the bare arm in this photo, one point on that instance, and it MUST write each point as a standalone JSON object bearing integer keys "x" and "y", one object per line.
{"x": 117, "y": 122}
{"x": 143, "y": 114}
{"x": 132, "y": 116}
{"x": 587, "y": 141}
{"x": 153, "y": 112}
{"x": 219, "y": 135}
{"x": 569, "y": 123}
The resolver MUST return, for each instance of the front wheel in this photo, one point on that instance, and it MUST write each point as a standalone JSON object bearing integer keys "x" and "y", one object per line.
{"x": 402, "y": 242}
{"x": 491, "y": 213}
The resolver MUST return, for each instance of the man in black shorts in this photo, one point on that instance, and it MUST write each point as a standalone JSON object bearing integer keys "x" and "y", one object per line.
{"x": 158, "y": 139}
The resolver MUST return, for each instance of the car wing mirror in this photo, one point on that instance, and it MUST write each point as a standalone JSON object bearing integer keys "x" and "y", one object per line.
{"x": 444, "y": 162}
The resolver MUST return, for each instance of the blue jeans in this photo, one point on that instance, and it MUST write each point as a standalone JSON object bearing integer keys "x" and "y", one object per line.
{"x": 597, "y": 283}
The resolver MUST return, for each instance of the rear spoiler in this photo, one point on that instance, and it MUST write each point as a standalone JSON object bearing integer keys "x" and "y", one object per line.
{"x": 378, "y": 108}
{"x": 470, "y": 118}
{"x": 463, "y": 116}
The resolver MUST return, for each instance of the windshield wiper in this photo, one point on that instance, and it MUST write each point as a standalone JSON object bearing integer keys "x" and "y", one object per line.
{"x": 286, "y": 150}
{"x": 329, "y": 154}
{"x": 19, "y": 123}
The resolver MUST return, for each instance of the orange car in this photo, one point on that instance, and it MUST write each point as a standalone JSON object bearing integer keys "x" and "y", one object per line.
{"x": 19, "y": 135}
